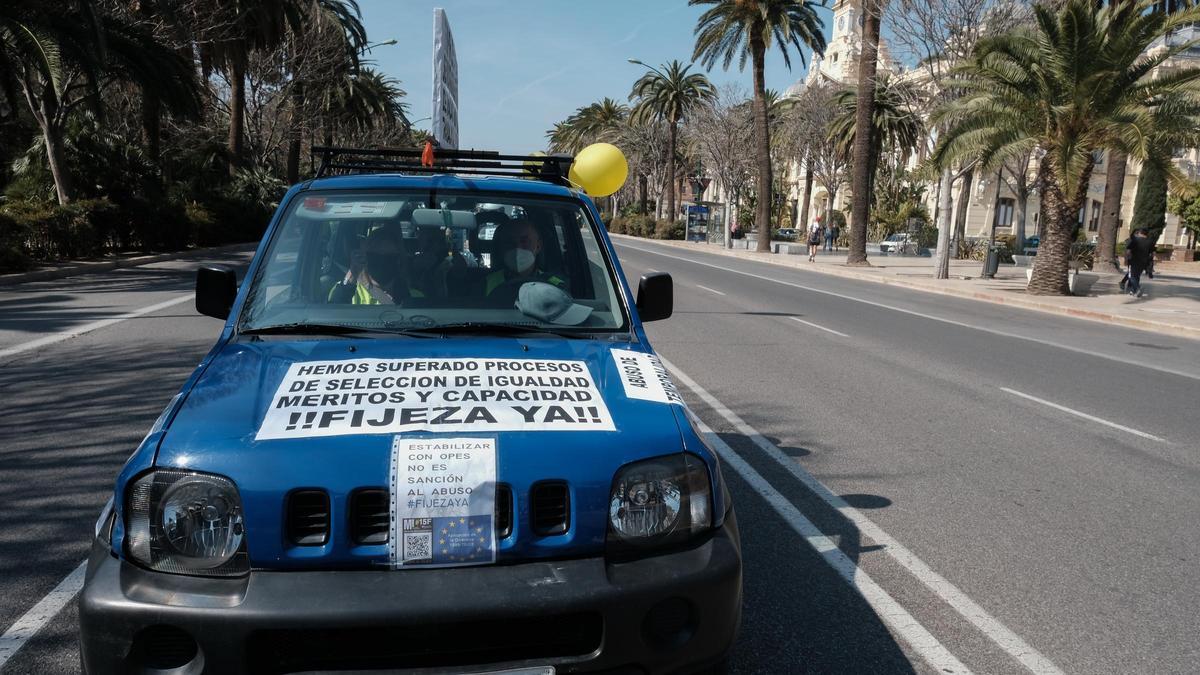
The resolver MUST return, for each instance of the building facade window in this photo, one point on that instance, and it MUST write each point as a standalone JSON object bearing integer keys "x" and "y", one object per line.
{"x": 1004, "y": 212}
{"x": 1094, "y": 223}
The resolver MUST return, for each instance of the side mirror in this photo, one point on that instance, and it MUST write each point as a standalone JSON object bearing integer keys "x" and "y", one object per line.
{"x": 656, "y": 296}
{"x": 216, "y": 289}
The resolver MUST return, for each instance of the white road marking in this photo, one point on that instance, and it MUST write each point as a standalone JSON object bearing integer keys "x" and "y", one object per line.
{"x": 809, "y": 323}
{"x": 89, "y": 327}
{"x": 1048, "y": 343}
{"x": 710, "y": 290}
{"x": 1090, "y": 418}
{"x": 651, "y": 269}
{"x": 889, "y": 610}
{"x": 40, "y": 614}
{"x": 977, "y": 616}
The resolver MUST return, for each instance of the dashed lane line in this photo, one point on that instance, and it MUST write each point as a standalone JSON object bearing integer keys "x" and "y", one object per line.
{"x": 977, "y": 616}
{"x": 814, "y": 325}
{"x": 710, "y": 290}
{"x": 1077, "y": 413}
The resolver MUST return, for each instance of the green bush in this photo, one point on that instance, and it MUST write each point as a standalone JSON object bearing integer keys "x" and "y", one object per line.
{"x": 640, "y": 225}
{"x": 838, "y": 218}
{"x": 666, "y": 229}
{"x": 616, "y": 225}
{"x": 928, "y": 236}
{"x": 157, "y": 225}
{"x": 80, "y": 229}
{"x": 12, "y": 245}
{"x": 240, "y": 211}
{"x": 1082, "y": 255}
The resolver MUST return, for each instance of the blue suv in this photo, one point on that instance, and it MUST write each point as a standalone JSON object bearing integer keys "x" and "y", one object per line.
{"x": 414, "y": 448}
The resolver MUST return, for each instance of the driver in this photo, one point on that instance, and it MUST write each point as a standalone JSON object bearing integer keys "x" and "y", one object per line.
{"x": 517, "y": 245}
{"x": 374, "y": 276}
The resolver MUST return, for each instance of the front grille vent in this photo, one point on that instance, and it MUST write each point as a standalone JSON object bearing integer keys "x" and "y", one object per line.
{"x": 550, "y": 506}
{"x": 504, "y": 512}
{"x": 308, "y": 517}
{"x": 370, "y": 516}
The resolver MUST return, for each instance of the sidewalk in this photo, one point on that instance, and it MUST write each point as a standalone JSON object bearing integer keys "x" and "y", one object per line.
{"x": 1171, "y": 303}
{"x": 69, "y": 268}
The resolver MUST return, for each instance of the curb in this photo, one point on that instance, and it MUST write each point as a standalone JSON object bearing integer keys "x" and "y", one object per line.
{"x": 1023, "y": 303}
{"x": 76, "y": 268}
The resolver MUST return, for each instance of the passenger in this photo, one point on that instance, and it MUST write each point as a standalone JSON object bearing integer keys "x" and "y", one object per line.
{"x": 374, "y": 277}
{"x": 431, "y": 262}
{"x": 516, "y": 247}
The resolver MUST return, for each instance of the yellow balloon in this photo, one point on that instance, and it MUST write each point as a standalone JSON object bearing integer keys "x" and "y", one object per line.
{"x": 600, "y": 169}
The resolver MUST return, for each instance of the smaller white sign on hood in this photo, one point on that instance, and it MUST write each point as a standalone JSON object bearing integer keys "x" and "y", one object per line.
{"x": 645, "y": 377}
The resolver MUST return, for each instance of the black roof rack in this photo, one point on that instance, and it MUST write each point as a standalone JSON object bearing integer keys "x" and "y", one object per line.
{"x": 344, "y": 161}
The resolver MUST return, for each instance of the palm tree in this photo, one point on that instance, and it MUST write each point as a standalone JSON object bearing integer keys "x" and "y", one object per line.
{"x": 1078, "y": 80}
{"x": 669, "y": 95}
{"x": 747, "y": 29}
{"x": 328, "y": 48}
{"x": 1150, "y": 198}
{"x": 59, "y": 55}
{"x": 237, "y": 29}
{"x": 895, "y": 125}
{"x": 361, "y": 101}
{"x": 863, "y": 167}
{"x": 600, "y": 122}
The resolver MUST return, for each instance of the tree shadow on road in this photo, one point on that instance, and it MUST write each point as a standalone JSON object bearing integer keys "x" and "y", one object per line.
{"x": 71, "y": 418}
{"x": 44, "y": 307}
{"x": 799, "y": 615}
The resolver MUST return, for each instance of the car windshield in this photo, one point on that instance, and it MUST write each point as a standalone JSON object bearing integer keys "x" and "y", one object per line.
{"x": 412, "y": 259}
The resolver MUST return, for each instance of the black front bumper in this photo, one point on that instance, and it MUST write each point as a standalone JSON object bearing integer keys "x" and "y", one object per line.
{"x": 669, "y": 613}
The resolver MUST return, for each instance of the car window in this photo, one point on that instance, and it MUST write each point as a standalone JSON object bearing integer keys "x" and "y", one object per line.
{"x": 397, "y": 259}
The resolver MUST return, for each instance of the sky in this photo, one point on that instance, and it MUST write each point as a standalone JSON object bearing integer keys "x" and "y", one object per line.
{"x": 525, "y": 64}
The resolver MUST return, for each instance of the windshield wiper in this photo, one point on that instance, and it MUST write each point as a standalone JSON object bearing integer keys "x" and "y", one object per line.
{"x": 300, "y": 328}
{"x": 481, "y": 328}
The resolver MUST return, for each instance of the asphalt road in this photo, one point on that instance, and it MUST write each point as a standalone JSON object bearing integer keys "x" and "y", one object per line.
{"x": 1007, "y": 491}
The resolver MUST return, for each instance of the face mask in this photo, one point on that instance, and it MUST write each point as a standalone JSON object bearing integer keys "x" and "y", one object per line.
{"x": 519, "y": 260}
{"x": 381, "y": 267}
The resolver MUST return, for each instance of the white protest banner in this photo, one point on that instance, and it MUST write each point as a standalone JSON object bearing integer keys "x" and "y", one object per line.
{"x": 387, "y": 396}
{"x": 645, "y": 378}
{"x": 443, "y": 500}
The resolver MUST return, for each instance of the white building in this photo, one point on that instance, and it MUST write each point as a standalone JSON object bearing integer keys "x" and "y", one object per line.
{"x": 990, "y": 200}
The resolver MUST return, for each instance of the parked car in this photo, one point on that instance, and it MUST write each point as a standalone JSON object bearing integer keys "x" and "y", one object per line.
{"x": 787, "y": 234}
{"x": 400, "y": 457}
{"x": 895, "y": 242}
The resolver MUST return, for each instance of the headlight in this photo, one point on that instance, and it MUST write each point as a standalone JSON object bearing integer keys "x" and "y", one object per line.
{"x": 186, "y": 523}
{"x": 659, "y": 501}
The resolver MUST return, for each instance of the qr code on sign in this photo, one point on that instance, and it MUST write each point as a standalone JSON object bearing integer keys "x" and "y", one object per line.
{"x": 417, "y": 546}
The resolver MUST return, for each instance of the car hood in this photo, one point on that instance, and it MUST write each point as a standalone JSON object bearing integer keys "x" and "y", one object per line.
{"x": 230, "y": 424}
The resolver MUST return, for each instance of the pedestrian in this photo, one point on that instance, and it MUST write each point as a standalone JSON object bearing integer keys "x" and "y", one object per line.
{"x": 1139, "y": 258}
{"x": 828, "y": 237}
{"x": 814, "y": 239}
{"x": 837, "y": 232}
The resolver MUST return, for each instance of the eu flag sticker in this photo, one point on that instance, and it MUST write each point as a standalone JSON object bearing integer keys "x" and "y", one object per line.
{"x": 465, "y": 539}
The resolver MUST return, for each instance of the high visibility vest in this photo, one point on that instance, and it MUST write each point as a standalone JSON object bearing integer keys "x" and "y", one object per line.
{"x": 496, "y": 280}
{"x": 362, "y": 295}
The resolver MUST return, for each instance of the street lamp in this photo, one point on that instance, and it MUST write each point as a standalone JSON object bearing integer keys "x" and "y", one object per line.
{"x": 385, "y": 43}
{"x": 636, "y": 62}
